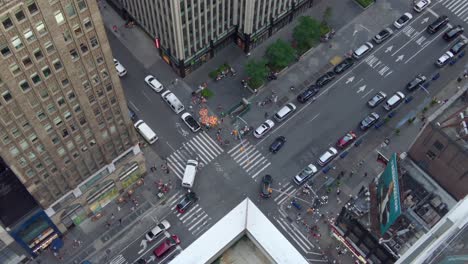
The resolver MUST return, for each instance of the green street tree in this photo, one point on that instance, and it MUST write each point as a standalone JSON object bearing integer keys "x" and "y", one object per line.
{"x": 257, "y": 71}
{"x": 280, "y": 54}
{"x": 306, "y": 33}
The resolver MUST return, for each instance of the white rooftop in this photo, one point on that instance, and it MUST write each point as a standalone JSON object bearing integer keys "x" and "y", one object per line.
{"x": 244, "y": 219}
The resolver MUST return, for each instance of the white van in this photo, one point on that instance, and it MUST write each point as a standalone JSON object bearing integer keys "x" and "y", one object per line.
{"x": 146, "y": 132}
{"x": 284, "y": 112}
{"x": 189, "y": 173}
{"x": 362, "y": 50}
{"x": 394, "y": 101}
{"x": 173, "y": 101}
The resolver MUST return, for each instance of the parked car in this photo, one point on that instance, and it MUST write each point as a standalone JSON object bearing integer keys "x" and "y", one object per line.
{"x": 438, "y": 24}
{"x": 305, "y": 174}
{"x": 343, "y": 66}
{"x": 325, "y": 79}
{"x": 345, "y": 140}
{"x": 383, "y": 35}
{"x": 121, "y": 71}
{"x": 403, "y": 20}
{"x": 327, "y": 156}
{"x": 264, "y": 128}
{"x": 190, "y": 122}
{"x": 444, "y": 59}
{"x": 189, "y": 199}
{"x": 132, "y": 114}
{"x": 459, "y": 46}
{"x": 266, "y": 190}
{"x": 157, "y": 230}
{"x": 369, "y": 121}
{"x": 277, "y": 144}
{"x": 307, "y": 94}
{"x": 362, "y": 50}
{"x": 420, "y": 5}
{"x": 377, "y": 99}
{"x": 394, "y": 101}
{"x": 166, "y": 246}
{"x": 453, "y": 33}
{"x": 416, "y": 82}
{"x": 153, "y": 83}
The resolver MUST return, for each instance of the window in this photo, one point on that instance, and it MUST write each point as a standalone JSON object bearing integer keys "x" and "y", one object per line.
{"x": 24, "y": 144}
{"x": 74, "y": 55}
{"x": 86, "y": 85}
{"x": 7, "y": 23}
{"x": 40, "y": 28}
{"x": 44, "y": 93}
{"x": 94, "y": 42}
{"x": 46, "y": 71}
{"x": 67, "y": 115}
{"x": 65, "y": 133}
{"x": 77, "y": 108}
{"x": 24, "y": 85}
{"x": 15, "y": 69}
{"x": 49, "y": 47}
{"x": 51, "y": 108}
{"x": 58, "y": 17}
{"x": 33, "y": 138}
{"x": 16, "y": 41}
{"x": 5, "y": 50}
{"x": 70, "y": 10}
{"x": 58, "y": 121}
{"x": 26, "y": 126}
{"x": 14, "y": 151}
{"x": 57, "y": 64}
{"x": 20, "y": 15}
{"x": 55, "y": 140}
{"x": 35, "y": 78}
{"x": 71, "y": 96}
{"x": 61, "y": 101}
{"x": 66, "y": 35}
{"x": 61, "y": 151}
{"x": 27, "y": 62}
{"x": 104, "y": 74}
{"x": 15, "y": 132}
{"x": 7, "y": 96}
{"x": 109, "y": 87}
{"x": 65, "y": 82}
{"x": 81, "y": 4}
{"x": 30, "y": 173}
{"x": 48, "y": 128}
{"x": 6, "y": 139}
{"x": 439, "y": 146}
{"x": 99, "y": 60}
{"x": 83, "y": 48}
{"x": 29, "y": 35}
{"x": 32, "y": 7}
{"x": 431, "y": 155}
{"x": 41, "y": 115}
{"x": 95, "y": 79}
{"x": 38, "y": 54}
{"x": 77, "y": 30}
{"x": 31, "y": 156}
{"x": 87, "y": 23}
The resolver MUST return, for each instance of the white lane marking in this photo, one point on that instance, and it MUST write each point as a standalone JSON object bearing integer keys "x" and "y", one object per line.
{"x": 202, "y": 149}
{"x": 283, "y": 193}
{"x": 146, "y": 96}
{"x": 204, "y": 134}
{"x": 209, "y": 147}
{"x": 235, "y": 147}
{"x": 366, "y": 94}
{"x": 193, "y": 214}
{"x": 244, "y": 153}
{"x": 313, "y": 118}
{"x": 409, "y": 41}
{"x": 186, "y": 214}
{"x": 176, "y": 200}
{"x": 424, "y": 46}
{"x": 293, "y": 237}
{"x": 173, "y": 149}
{"x": 258, "y": 172}
{"x": 189, "y": 144}
{"x": 252, "y": 165}
{"x": 248, "y": 162}
{"x": 134, "y": 106}
{"x": 296, "y": 233}
{"x": 196, "y": 223}
{"x": 462, "y": 9}
{"x": 287, "y": 196}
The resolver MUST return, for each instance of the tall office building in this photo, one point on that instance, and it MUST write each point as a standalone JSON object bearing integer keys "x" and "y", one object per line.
{"x": 65, "y": 131}
{"x": 190, "y": 32}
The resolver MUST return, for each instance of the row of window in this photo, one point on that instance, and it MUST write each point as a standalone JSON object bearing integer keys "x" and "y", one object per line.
{"x": 19, "y": 14}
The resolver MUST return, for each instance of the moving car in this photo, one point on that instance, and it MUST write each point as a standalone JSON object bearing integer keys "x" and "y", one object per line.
{"x": 421, "y": 5}
{"x": 345, "y": 140}
{"x": 264, "y": 128}
{"x": 189, "y": 199}
{"x": 403, "y": 20}
{"x": 369, "y": 121}
{"x": 305, "y": 174}
{"x": 343, "y": 66}
{"x": 327, "y": 156}
{"x": 418, "y": 80}
{"x": 438, "y": 24}
{"x": 266, "y": 190}
{"x": 277, "y": 144}
{"x": 444, "y": 59}
{"x": 158, "y": 230}
{"x": 377, "y": 99}
{"x": 121, "y": 71}
{"x": 190, "y": 122}
{"x": 459, "y": 46}
{"x": 166, "y": 246}
{"x": 325, "y": 79}
{"x": 394, "y": 101}
{"x": 382, "y": 35}
{"x": 453, "y": 33}
{"x": 362, "y": 50}
{"x": 154, "y": 83}
{"x": 307, "y": 94}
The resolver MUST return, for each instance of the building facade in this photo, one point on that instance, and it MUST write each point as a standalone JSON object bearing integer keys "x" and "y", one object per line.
{"x": 190, "y": 32}
{"x": 65, "y": 131}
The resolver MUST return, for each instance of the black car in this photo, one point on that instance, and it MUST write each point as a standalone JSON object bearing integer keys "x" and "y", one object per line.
{"x": 459, "y": 46}
{"x": 343, "y": 66}
{"x": 189, "y": 199}
{"x": 324, "y": 79}
{"x": 438, "y": 24}
{"x": 141, "y": 261}
{"x": 453, "y": 33}
{"x": 418, "y": 80}
{"x": 265, "y": 191}
{"x": 132, "y": 114}
{"x": 370, "y": 120}
{"x": 277, "y": 144}
{"x": 307, "y": 94}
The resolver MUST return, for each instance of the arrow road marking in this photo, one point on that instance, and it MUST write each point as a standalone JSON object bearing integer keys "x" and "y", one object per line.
{"x": 389, "y": 49}
{"x": 366, "y": 94}
{"x": 355, "y": 31}
{"x": 361, "y": 89}
{"x": 424, "y": 20}
{"x": 151, "y": 259}
{"x": 400, "y": 58}
{"x": 350, "y": 79}
{"x": 143, "y": 244}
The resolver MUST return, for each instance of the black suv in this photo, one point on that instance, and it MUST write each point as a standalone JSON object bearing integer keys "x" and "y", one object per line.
{"x": 438, "y": 24}
{"x": 459, "y": 46}
{"x": 418, "y": 80}
{"x": 189, "y": 199}
{"x": 307, "y": 94}
{"x": 277, "y": 144}
{"x": 324, "y": 79}
{"x": 343, "y": 66}
{"x": 453, "y": 33}
{"x": 265, "y": 191}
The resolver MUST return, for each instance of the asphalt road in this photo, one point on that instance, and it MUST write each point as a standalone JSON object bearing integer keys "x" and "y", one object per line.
{"x": 232, "y": 173}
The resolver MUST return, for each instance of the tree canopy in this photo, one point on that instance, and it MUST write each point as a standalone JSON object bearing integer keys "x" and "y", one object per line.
{"x": 306, "y": 33}
{"x": 257, "y": 71}
{"x": 280, "y": 54}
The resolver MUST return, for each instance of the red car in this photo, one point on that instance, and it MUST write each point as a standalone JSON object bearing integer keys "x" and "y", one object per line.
{"x": 166, "y": 246}
{"x": 346, "y": 140}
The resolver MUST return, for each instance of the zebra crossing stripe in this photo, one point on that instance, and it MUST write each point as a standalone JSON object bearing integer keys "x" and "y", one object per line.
{"x": 176, "y": 199}
{"x": 186, "y": 214}
{"x": 251, "y": 163}
{"x": 294, "y": 231}
{"x": 175, "y": 165}
{"x": 235, "y": 147}
{"x": 205, "y": 147}
{"x": 213, "y": 143}
{"x": 284, "y": 192}
{"x": 193, "y": 212}
{"x": 286, "y": 196}
{"x": 177, "y": 157}
{"x": 201, "y": 148}
{"x": 284, "y": 226}
{"x": 462, "y": 9}
{"x": 196, "y": 223}
{"x": 213, "y": 148}
{"x": 203, "y": 158}
{"x": 238, "y": 157}
{"x": 258, "y": 172}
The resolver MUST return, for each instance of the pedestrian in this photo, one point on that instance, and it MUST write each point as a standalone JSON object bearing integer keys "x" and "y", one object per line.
{"x": 120, "y": 221}
{"x": 266, "y": 115}
{"x": 167, "y": 170}
{"x": 365, "y": 174}
{"x": 118, "y": 208}
{"x": 108, "y": 224}
{"x": 222, "y": 119}
{"x": 112, "y": 216}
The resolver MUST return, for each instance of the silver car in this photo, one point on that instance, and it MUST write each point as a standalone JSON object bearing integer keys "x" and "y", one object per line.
{"x": 377, "y": 99}
{"x": 157, "y": 230}
{"x": 382, "y": 35}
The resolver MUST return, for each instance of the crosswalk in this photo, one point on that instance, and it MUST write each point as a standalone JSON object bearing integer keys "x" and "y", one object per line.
{"x": 286, "y": 192}
{"x": 457, "y": 7}
{"x": 201, "y": 147}
{"x": 249, "y": 158}
{"x": 298, "y": 236}
{"x": 195, "y": 219}
{"x": 118, "y": 260}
